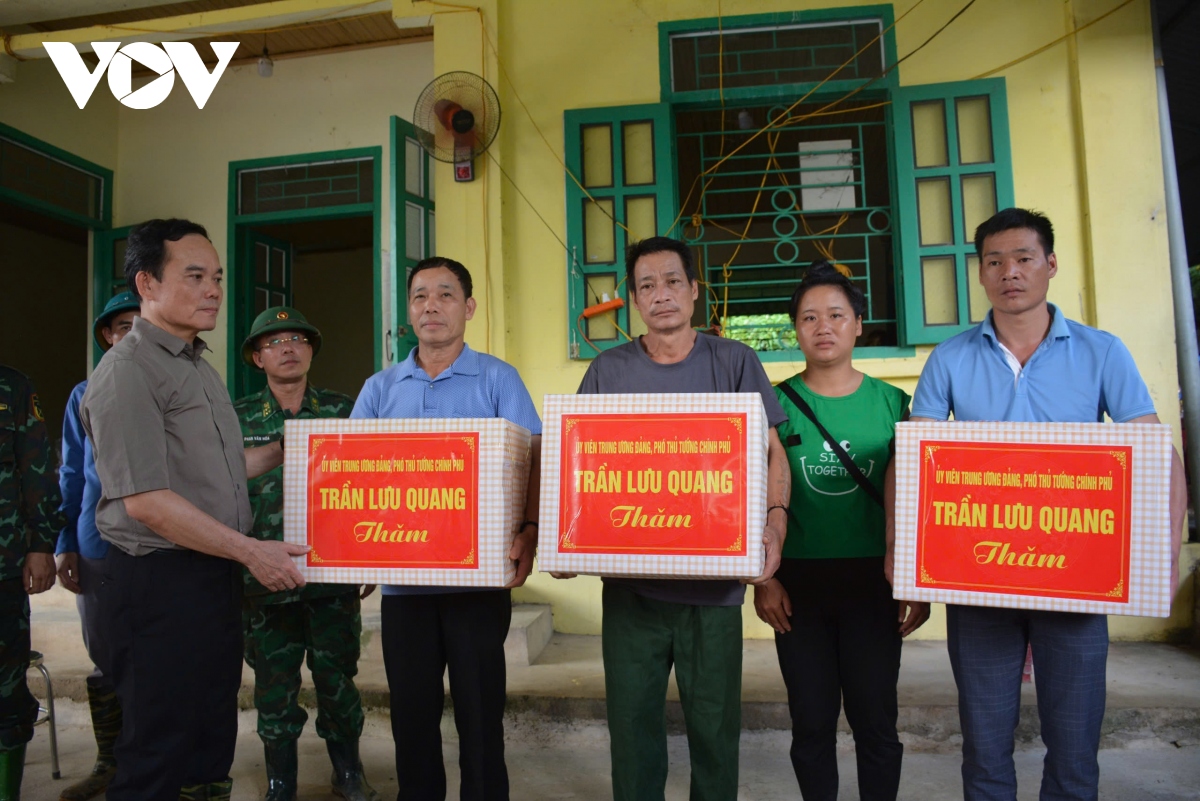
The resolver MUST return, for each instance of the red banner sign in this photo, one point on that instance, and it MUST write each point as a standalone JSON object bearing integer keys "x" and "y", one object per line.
{"x": 660, "y": 484}
{"x": 393, "y": 500}
{"x": 1025, "y": 519}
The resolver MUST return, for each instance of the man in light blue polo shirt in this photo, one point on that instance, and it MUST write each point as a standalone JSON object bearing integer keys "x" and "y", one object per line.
{"x": 1026, "y": 362}
{"x": 427, "y": 629}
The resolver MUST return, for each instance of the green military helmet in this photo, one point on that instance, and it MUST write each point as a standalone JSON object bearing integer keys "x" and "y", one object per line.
{"x": 279, "y": 318}
{"x": 117, "y": 304}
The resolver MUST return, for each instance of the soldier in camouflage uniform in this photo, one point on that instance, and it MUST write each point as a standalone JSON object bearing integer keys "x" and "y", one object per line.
{"x": 29, "y": 524}
{"x": 322, "y": 620}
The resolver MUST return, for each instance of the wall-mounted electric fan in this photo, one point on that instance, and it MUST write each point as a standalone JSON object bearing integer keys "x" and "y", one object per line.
{"x": 456, "y": 118}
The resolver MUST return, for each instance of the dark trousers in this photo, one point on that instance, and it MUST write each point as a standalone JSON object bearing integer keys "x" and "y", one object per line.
{"x": 423, "y": 635}
{"x": 172, "y": 620}
{"x": 91, "y": 572}
{"x": 643, "y": 639}
{"x": 987, "y": 652}
{"x": 18, "y": 708}
{"x": 844, "y": 648}
{"x": 279, "y": 637}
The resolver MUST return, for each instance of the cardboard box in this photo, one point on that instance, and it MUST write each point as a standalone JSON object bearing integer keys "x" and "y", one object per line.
{"x": 409, "y": 502}
{"x": 667, "y": 486}
{"x": 1067, "y": 517}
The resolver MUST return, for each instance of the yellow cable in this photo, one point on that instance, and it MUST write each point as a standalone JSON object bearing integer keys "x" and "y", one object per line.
{"x": 1046, "y": 47}
{"x": 504, "y": 73}
{"x": 617, "y": 325}
{"x": 773, "y": 123}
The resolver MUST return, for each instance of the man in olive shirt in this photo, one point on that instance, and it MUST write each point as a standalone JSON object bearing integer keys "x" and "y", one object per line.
{"x": 168, "y": 451}
{"x": 322, "y": 621}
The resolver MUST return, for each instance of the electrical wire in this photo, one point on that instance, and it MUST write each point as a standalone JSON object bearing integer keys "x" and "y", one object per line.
{"x": 784, "y": 119}
{"x": 783, "y": 115}
{"x": 504, "y": 73}
{"x": 529, "y": 203}
{"x": 1049, "y": 45}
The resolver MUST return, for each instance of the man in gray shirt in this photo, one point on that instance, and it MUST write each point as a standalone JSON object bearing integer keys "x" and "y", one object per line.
{"x": 168, "y": 451}
{"x": 650, "y": 625}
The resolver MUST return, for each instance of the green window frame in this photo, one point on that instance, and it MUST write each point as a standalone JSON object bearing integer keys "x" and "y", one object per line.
{"x": 626, "y": 164}
{"x": 240, "y": 378}
{"x": 95, "y": 223}
{"x": 107, "y": 266}
{"x": 936, "y": 292}
{"x": 411, "y": 194}
{"x": 731, "y": 25}
{"x": 941, "y": 194}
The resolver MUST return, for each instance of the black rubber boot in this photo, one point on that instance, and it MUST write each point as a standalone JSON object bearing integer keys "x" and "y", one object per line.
{"x": 106, "y": 725}
{"x": 348, "y": 780}
{"x": 282, "y": 766}
{"x": 12, "y": 768}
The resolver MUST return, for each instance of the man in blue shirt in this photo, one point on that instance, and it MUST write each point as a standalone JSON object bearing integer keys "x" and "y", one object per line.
{"x": 1026, "y": 362}
{"x": 427, "y": 629}
{"x": 80, "y": 553}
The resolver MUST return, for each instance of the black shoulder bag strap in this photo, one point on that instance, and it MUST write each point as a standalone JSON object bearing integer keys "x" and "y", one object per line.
{"x": 834, "y": 446}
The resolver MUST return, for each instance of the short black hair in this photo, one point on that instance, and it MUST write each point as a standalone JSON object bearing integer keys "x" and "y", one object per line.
{"x": 432, "y": 263}
{"x": 146, "y": 247}
{"x": 659, "y": 244}
{"x": 1010, "y": 219}
{"x": 822, "y": 273}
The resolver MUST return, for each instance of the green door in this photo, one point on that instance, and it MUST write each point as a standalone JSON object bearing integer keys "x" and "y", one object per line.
{"x": 108, "y": 272}
{"x": 413, "y": 224}
{"x": 266, "y": 269}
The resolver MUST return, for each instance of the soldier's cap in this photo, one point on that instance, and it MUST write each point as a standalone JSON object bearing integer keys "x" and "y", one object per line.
{"x": 279, "y": 318}
{"x": 117, "y": 304}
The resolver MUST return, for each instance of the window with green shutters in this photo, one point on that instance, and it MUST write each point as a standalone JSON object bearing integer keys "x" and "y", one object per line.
{"x": 888, "y": 184}
{"x": 953, "y": 171}
{"x": 625, "y": 192}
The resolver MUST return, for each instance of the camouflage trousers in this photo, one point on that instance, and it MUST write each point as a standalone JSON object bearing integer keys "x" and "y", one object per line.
{"x": 18, "y": 708}
{"x": 278, "y": 638}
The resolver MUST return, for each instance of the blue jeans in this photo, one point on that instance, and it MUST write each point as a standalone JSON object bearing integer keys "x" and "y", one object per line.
{"x": 987, "y": 652}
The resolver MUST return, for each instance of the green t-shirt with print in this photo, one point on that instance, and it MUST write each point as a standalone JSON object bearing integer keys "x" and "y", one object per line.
{"x": 837, "y": 519}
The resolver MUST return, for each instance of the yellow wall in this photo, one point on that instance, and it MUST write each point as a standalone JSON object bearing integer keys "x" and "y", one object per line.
{"x": 174, "y": 159}
{"x": 1082, "y": 123}
{"x": 38, "y": 104}
{"x": 1085, "y": 151}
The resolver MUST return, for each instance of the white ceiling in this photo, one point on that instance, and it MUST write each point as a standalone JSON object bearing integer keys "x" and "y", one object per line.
{"x": 20, "y": 12}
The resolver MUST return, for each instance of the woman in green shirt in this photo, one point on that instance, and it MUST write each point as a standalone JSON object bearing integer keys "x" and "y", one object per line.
{"x": 837, "y": 628}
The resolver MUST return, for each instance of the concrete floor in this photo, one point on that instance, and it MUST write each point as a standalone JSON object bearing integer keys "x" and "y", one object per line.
{"x": 558, "y": 743}
{"x": 564, "y": 761}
